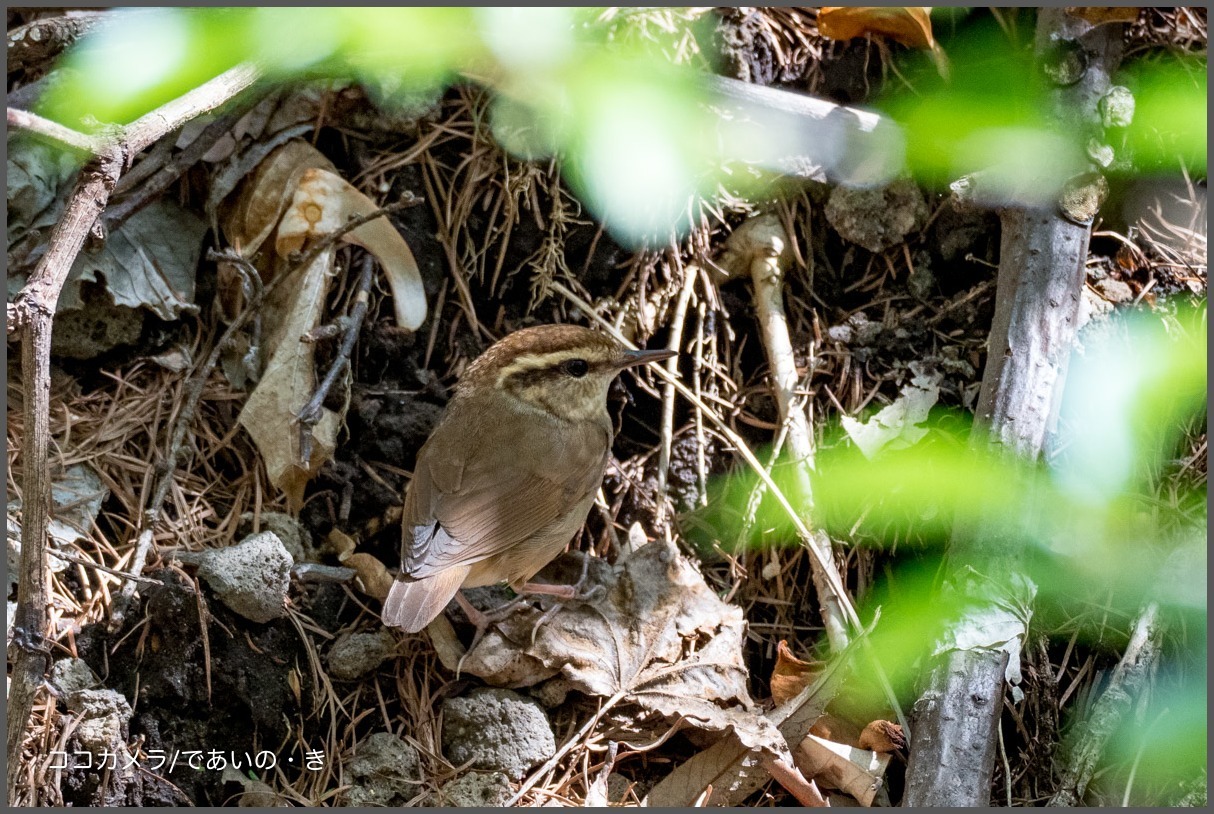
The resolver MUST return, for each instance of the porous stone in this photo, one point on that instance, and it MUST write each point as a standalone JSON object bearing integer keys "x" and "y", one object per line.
{"x": 251, "y": 577}
{"x": 295, "y": 538}
{"x": 96, "y": 329}
{"x": 354, "y": 655}
{"x": 384, "y": 771}
{"x": 497, "y": 730}
{"x": 104, "y": 716}
{"x": 877, "y": 217}
{"x": 71, "y": 675}
{"x": 1115, "y": 290}
{"x": 476, "y": 790}
{"x": 552, "y": 693}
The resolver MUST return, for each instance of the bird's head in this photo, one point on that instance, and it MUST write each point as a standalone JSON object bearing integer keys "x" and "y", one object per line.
{"x": 564, "y": 370}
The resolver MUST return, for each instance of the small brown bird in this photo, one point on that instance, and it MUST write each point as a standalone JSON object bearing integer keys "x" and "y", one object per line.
{"x": 510, "y": 472}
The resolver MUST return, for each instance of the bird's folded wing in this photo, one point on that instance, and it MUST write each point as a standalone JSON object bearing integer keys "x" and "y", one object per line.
{"x": 459, "y": 512}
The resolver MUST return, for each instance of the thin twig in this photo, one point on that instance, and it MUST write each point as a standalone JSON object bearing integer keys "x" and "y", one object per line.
{"x": 35, "y": 306}
{"x": 760, "y": 248}
{"x": 174, "y": 168}
{"x": 690, "y": 273}
{"x": 1130, "y": 680}
{"x": 310, "y": 413}
{"x": 63, "y": 555}
{"x": 53, "y": 131}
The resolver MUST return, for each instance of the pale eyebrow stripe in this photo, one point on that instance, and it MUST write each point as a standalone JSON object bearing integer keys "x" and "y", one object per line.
{"x": 538, "y": 362}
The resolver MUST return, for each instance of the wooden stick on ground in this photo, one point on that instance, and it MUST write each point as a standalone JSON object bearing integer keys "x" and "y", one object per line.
{"x": 760, "y": 248}
{"x": 1107, "y": 715}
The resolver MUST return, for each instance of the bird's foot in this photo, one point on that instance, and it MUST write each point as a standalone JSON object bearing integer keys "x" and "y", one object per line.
{"x": 578, "y": 591}
{"x": 481, "y": 620}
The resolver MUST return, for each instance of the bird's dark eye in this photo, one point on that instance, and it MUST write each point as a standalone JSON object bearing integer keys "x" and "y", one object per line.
{"x": 577, "y": 368}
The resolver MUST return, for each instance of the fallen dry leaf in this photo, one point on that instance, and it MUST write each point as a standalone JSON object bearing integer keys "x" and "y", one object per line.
{"x": 733, "y": 770}
{"x": 657, "y": 636}
{"x": 791, "y": 674}
{"x": 150, "y": 261}
{"x": 323, "y": 203}
{"x": 883, "y": 737}
{"x": 296, "y": 192}
{"x": 833, "y": 728}
{"x": 909, "y": 25}
{"x": 266, "y": 193}
{"x": 287, "y": 385}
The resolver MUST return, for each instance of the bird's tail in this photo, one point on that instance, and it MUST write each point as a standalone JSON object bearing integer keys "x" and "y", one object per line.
{"x": 413, "y": 603}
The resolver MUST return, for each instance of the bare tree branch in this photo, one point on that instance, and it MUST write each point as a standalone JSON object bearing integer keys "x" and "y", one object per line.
{"x": 32, "y": 313}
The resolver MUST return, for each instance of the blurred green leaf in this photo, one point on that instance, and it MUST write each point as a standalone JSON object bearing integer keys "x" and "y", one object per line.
{"x": 1170, "y": 125}
{"x": 1167, "y": 742}
{"x": 144, "y": 58}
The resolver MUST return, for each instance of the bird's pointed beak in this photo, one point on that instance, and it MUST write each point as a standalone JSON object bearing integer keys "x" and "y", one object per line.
{"x": 632, "y": 358}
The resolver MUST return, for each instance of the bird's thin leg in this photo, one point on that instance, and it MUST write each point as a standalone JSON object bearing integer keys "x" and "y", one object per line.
{"x": 564, "y": 592}
{"x": 481, "y": 620}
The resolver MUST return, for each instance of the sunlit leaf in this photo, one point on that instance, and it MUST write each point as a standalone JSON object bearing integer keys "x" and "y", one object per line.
{"x": 909, "y": 25}
{"x": 1103, "y": 15}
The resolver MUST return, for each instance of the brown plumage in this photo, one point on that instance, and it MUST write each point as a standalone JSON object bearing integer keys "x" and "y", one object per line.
{"x": 510, "y": 472}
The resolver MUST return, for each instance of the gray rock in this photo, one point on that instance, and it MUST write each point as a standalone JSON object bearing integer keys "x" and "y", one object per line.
{"x": 104, "y": 717}
{"x": 295, "y": 538}
{"x": 354, "y": 655}
{"x": 103, "y": 731}
{"x": 97, "y": 328}
{"x": 476, "y": 790}
{"x": 251, "y": 577}
{"x": 72, "y": 675}
{"x": 857, "y": 331}
{"x": 618, "y": 788}
{"x": 879, "y": 217}
{"x": 385, "y": 770}
{"x": 1114, "y": 290}
{"x": 552, "y": 693}
{"x": 497, "y": 730}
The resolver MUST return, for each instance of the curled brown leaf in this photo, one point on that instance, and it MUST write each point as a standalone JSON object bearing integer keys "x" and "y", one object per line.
{"x": 883, "y": 737}
{"x": 791, "y": 674}
{"x": 909, "y": 25}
